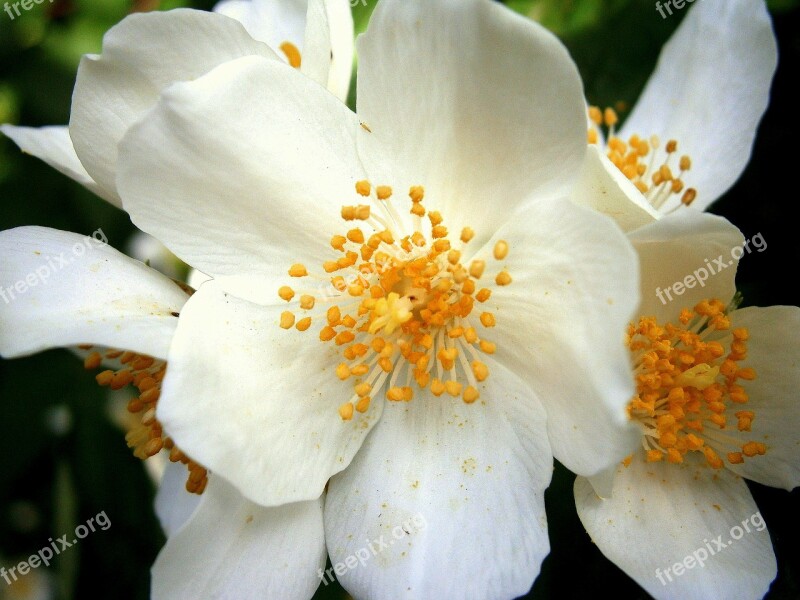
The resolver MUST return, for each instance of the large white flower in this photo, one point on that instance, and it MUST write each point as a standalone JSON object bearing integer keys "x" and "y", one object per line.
{"x": 690, "y": 134}
{"x": 246, "y": 174}
{"x": 113, "y": 91}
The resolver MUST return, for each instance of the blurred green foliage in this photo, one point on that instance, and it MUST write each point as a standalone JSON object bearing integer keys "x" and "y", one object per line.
{"x": 64, "y": 460}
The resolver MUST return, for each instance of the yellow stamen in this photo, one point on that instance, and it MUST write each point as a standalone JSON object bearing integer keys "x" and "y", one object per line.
{"x": 363, "y": 188}
{"x": 500, "y": 250}
{"x": 404, "y": 314}
{"x": 686, "y": 386}
{"x": 292, "y": 54}
{"x": 297, "y": 270}
{"x": 145, "y": 435}
{"x": 287, "y": 320}
{"x": 384, "y": 192}
{"x": 286, "y": 293}
{"x": 644, "y": 162}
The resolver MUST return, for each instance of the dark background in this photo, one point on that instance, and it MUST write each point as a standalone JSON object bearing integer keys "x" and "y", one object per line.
{"x": 64, "y": 460}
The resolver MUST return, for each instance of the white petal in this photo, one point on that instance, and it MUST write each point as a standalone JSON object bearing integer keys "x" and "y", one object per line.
{"x": 63, "y": 289}
{"x": 602, "y": 187}
{"x": 243, "y": 172}
{"x": 340, "y": 21}
{"x": 256, "y": 404}
{"x": 270, "y": 21}
{"x": 232, "y": 549}
{"x": 685, "y": 252}
{"x": 709, "y": 91}
{"x": 476, "y": 103}
{"x": 773, "y": 352}
{"x": 141, "y": 56}
{"x": 662, "y": 514}
{"x": 174, "y": 505}
{"x": 316, "y": 61}
{"x": 454, "y": 491}
{"x": 329, "y": 48}
{"x": 321, "y": 29}
{"x": 561, "y": 324}
{"x": 53, "y": 145}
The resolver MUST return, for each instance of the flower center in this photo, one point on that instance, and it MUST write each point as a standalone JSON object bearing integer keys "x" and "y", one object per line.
{"x": 649, "y": 167}
{"x": 687, "y": 386}
{"x": 402, "y": 309}
{"x": 145, "y": 436}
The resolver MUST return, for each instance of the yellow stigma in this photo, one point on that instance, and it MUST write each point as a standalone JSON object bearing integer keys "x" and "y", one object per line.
{"x": 689, "y": 389}
{"x": 145, "y": 435}
{"x": 292, "y": 54}
{"x": 643, "y": 161}
{"x": 399, "y": 304}
{"x": 390, "y": 312}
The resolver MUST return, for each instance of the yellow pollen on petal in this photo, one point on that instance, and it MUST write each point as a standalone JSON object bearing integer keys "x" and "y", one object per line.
{"x": 688, "y": 387}
{"x": 292, "y": 54}
{"x": 399, "y": 306}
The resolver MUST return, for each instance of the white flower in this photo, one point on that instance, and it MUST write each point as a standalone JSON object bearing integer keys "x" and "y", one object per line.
{"x": 701, "y": 107}
{"x": 243, "y": 173}
{"x": 111, "y": 301}
{"x": 137, "y": 307}
{"x": 113, "y": 91}
{"x": 716, "y": 388}
{"x": 716, "y": 402}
